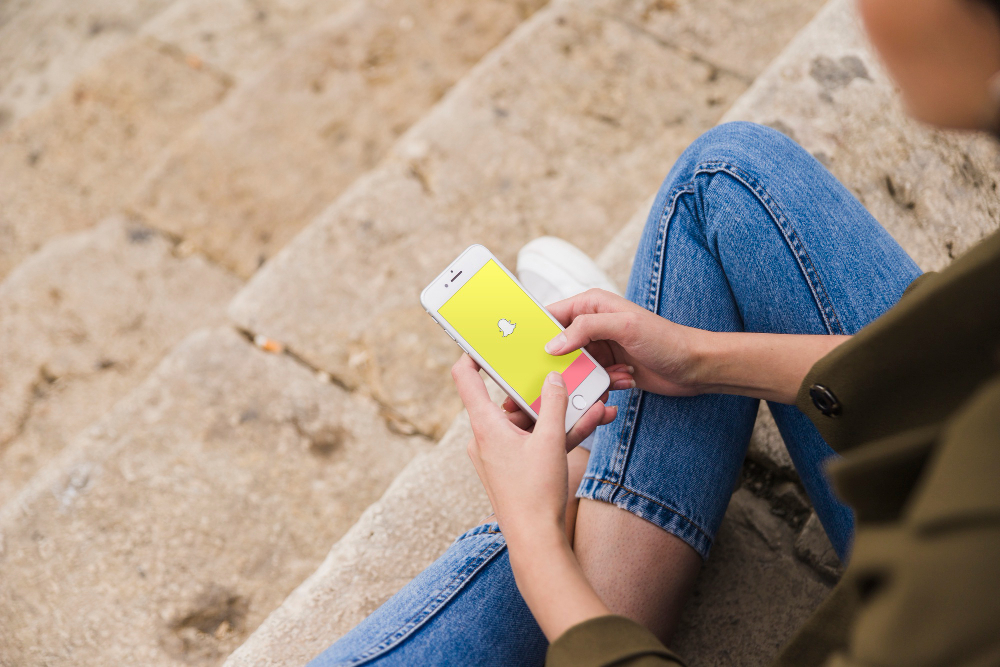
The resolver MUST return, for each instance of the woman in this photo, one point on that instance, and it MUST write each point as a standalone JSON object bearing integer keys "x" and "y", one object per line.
{"x": 758, "y": 277}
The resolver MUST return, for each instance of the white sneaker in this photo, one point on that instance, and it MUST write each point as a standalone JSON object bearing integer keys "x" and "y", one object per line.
{"x": 552, "y": 270}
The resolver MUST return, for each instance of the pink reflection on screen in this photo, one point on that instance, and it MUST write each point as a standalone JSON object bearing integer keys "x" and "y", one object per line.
{"x": 572, "y": 376}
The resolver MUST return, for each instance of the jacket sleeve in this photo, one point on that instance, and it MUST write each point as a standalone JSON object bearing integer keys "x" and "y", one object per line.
{"x": 607, "y": 641}
{"x": 928, "y": 584}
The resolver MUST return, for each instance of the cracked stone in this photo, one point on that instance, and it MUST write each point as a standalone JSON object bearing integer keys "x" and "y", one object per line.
{"x": 74, "y": 162}
{"x": 767, "y": 447}
{"x": 46, "y": 44}
{"x": 82, "y": 322}
{"x": 913, "y": 179}
{"x": 813, "y": 548}
{"x": 325, "y": 111}
{"x": 188, "y": 525}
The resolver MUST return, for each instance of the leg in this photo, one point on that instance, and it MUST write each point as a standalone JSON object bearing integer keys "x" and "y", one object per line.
{"x": 748, "y": 233}
{"x": 462, "y": 610}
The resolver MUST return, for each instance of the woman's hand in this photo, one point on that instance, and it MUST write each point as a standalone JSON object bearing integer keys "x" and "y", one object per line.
{"x": 667, "y": 358}
{"x": 619, "y": 334}
{"x": 524, "y": 471}
{"x": 525, "y": 476}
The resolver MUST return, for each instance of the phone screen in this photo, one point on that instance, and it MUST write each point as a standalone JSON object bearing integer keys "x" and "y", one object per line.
{"x": 501, "y": 322}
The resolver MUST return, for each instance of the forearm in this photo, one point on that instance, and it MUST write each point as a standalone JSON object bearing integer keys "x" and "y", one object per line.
{"x": 766, "y": 366}
{"x": 551, "y": 582}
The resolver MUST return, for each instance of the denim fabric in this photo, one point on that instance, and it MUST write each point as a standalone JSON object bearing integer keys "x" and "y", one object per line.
{"x": 463, "y": 610}
{"x": 748, "y": 233}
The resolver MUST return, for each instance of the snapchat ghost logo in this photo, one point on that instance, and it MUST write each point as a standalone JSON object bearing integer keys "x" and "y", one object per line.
{"x": 506, "y": 327}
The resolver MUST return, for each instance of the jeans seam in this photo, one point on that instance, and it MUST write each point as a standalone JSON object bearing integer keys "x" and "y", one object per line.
{"x": 463, "y": 576}
{"x": 794, "y": 242}
{"x": 627, "y": 433}
{"x": 626, "y": 489}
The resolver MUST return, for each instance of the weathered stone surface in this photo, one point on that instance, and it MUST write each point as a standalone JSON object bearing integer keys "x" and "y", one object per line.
{"x": 82, "y": 322}
{"x": 434, "y": 500}
{"x": 618, "y": 255}
{"x": 46, "y": 44}
{"x": 752, "y": 586}
{"x": 258, "y": 168}
{"x": 72, "y": 163}
{"x": 813, "y": 547}
{"x": 718, "y": 32}
{"x": 169, "y": 529}
{"x": 790, "y": 500}
{"x": 935, "y": 192}
{"x": 752, "y": 594}
{"x": 239, "y": 37}
{"x": 562, "y": 130}
{"x": 767, "y": 446}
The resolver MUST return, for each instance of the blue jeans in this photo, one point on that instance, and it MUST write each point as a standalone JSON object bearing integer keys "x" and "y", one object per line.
{"x": 748, "y": 233}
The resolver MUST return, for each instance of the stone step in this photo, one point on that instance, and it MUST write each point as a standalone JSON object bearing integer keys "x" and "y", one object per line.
{"x": 80, "y": 156}
{"x": 168, "y": 530}
{"x": 82, "y": 322}
{"x": 751, "y": 596}
{"x": 238, "y": 37}
{"x": 46, "y": 44}
{"x": 561, "y": 130}
{"x": 253, "y": 172}
{"x": 71, "y": 164}
{"x": 934, "y": 191}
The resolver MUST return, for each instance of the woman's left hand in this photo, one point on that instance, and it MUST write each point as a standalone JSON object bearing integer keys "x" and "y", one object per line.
{"x": 524, "y": 472}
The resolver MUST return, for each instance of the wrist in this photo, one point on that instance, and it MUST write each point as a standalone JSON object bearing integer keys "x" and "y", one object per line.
{"x": 552, "y": 583}
{"x": 703, "y": 353}
{"x": 530, "y": 538}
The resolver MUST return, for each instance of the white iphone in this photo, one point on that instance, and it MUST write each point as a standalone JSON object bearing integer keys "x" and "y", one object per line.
{"x": 482, "y": 306}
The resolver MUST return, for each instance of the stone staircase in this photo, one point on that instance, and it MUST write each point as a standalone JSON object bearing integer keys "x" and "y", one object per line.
{"x": 194, "y": 508}
{"x": 128, "y": 136}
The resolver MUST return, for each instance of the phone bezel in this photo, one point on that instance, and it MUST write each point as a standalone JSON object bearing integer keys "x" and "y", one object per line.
{"x": 442, "y": 288}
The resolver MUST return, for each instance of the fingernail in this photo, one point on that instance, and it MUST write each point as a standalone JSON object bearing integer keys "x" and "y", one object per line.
{"x": 625, "y": 384}
{"x": 556, "y": 379}
{"x": 631, "y": 370}
{"x": 556, "y": 344}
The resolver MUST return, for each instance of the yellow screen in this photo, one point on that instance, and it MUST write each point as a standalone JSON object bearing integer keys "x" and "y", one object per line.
{"x": 508, "y": 329}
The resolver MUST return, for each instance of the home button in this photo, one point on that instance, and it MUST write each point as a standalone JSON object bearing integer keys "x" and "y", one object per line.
{"x": 579, "y": 402}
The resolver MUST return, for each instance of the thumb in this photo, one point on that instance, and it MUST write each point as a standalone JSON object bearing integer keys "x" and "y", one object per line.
{"x": 552, "y": 414}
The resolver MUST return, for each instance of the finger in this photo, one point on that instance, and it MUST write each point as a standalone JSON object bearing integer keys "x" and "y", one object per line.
{"x": 521, "y": 420}
{"x": 483, "y": 412}
{"x": 510, "y": 406}
{"x": 551, "y": 422}
{"x": 621, "y": 380}
{"x": 585, "y": 329}
{"x": 591, "y": 301}
{"x": 603, "y": 353}
{"x": 610, "y": 414}
{"x": 598, "y": 415}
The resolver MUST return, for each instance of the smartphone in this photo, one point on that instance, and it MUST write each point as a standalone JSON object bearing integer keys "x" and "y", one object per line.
{"x": 483, "y": 308}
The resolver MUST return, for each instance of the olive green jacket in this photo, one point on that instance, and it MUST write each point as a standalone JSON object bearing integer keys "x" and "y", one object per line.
{"x": 912, "y": 402}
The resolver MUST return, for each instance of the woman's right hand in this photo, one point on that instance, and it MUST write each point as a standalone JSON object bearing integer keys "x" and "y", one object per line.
{"x": 616, "y": 331}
